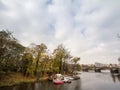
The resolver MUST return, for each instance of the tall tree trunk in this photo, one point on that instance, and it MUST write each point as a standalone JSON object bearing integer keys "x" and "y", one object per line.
{"x": 37, "y": 63}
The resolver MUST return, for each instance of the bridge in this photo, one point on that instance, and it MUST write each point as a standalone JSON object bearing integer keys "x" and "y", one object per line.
{"x": 98, "y": 67}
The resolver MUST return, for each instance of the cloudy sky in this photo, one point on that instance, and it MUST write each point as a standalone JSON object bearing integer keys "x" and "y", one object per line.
{"x": 88, "y": 28}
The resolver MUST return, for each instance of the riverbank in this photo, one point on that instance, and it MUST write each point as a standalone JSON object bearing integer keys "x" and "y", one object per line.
{"x": 87, "y": 81}
{"x": 17, "y": 78}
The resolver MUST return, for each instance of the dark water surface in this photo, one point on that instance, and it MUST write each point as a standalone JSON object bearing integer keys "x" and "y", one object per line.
{"x": 87, "y": 81}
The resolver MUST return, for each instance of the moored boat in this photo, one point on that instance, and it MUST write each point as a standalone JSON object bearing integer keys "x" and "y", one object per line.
{"x": 57, "y": 81}
{"x": 66, "y": 80}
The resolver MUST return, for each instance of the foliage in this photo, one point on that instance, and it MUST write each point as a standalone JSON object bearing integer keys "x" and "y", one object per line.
{"x": 60, "y": 56}
{"x": 10, "y": 52}
{"x": 26, "y": 63}
{"x": 37, "y": 51}
{"x": 33, "y": 60}
{"x": 75, "y": 61}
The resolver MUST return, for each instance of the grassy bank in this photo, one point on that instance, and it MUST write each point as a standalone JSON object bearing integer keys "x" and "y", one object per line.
{"x": 16, "y": 78}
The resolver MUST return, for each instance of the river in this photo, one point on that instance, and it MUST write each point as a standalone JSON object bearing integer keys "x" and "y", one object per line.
{"x": 87, "y": 81}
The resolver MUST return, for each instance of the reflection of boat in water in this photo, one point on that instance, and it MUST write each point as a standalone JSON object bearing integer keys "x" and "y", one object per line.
{"x": 57, "y": 81}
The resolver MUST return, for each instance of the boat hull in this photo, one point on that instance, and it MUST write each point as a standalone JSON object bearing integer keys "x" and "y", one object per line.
{"x": 58, "y": 82}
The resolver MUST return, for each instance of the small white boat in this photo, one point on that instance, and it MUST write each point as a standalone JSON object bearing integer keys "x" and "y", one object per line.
{"x": 66, "y": 80}
{"x": 70, "y": 78}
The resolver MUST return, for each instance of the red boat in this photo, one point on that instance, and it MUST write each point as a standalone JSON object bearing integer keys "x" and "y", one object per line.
{"x": 57, "y": 81}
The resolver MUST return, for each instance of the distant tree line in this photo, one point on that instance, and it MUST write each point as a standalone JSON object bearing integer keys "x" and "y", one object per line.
{"x": 34, "y": 60}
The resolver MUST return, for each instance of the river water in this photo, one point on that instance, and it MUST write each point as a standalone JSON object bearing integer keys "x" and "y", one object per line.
{"x": 87, "y": 81}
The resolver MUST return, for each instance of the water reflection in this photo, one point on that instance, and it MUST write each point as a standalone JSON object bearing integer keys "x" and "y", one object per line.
{"x": 45, "y": 85}
{"x": 25, "y": 86}
{"x": 88, "y": 81}
{"x": 78, "y": 85}
{"x": 75, "y": 85}
{"x": 115, "y": 78}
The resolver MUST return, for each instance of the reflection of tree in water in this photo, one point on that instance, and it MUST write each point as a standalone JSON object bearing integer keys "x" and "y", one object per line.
{"x": 45, "y": 85}
{"x": 30, "y": 86}
{"x": 37, "y": 86}
{"x": 115, "y": 78}
{"x": 119, "y": 78}
{"x": 58, "y": 87}
{"x": 24, "y": 86}
{"x": 75, "y": 85}
{"x": 78, "y": 85}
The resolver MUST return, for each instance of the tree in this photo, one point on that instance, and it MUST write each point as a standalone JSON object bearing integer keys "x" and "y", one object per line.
{"x": 10, "y": 52}
{"x": 60, "y": 56}
{"x": 39, "y": 49}
{"x": 27, "y": 60}
{"x": 75, "y": 61}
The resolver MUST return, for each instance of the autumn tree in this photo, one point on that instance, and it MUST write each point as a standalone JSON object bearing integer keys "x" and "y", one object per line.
{"x": 60, "y": 56}
{"x": 38, "y": 50}
{"x": 10, "y": 52}
{"x": 75, "y": 60}
{"x": 26, "y": 63}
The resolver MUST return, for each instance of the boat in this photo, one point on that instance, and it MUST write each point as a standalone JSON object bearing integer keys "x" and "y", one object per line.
{"x": 57, "y": 81}
{"x": 70, "y": 78}
{"x": 66, "y": 80}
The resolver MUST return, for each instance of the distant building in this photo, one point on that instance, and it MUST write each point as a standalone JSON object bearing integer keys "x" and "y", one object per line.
{"x": 99, "y": 64}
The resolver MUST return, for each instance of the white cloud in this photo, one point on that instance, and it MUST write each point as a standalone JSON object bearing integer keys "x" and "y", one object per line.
{"x": 88, "y": 28}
